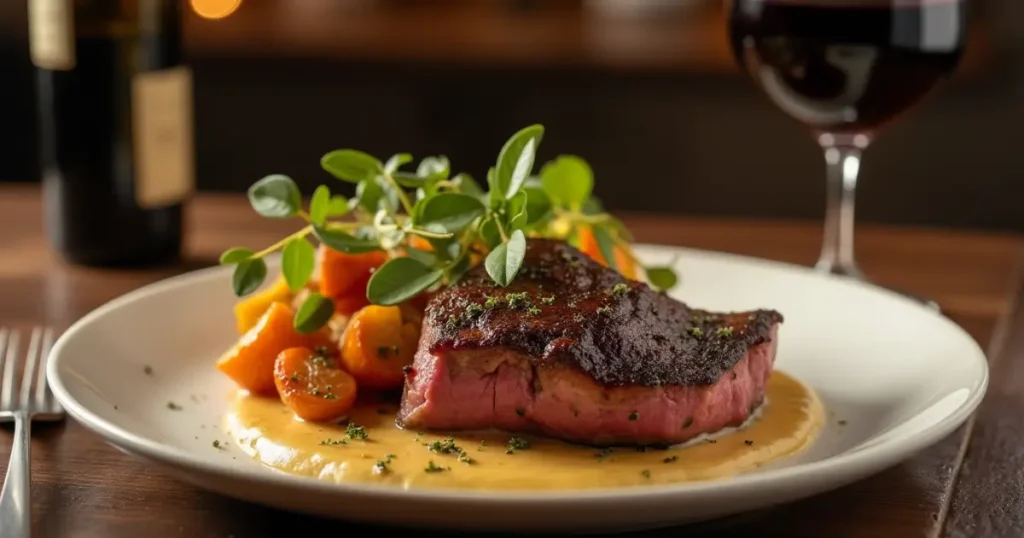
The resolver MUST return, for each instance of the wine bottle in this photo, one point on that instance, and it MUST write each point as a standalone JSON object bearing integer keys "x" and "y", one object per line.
{"x": 115, "y": 116}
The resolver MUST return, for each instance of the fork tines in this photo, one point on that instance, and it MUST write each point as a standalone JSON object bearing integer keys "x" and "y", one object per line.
{"x": 32, "y": 395}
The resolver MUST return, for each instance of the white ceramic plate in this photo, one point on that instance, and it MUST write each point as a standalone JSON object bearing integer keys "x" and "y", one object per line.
{"x": 899, "y": 375}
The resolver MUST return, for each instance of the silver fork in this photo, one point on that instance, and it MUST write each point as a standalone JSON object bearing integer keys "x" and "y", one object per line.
{"x": 34, "y": 401}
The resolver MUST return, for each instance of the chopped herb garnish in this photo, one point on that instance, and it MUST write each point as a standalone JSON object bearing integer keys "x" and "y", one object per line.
{"x": 712, "y": 441}
{"x": 294, "y": 378}
{"x": 474, "y": 310}
{"x": 842, "y": 423}
{"x": 634, "y": 415}
{"x": 330, "y": 441}
{"x": 670, "y": 459}
{"x": 382, "y": 351}
{"x": 619, "y": 289}
{"x": 173, "y": 406}
{"x": 533, "y": 311}
{"x": 381, "y": 466}
{"x": 517, "y": 300}
{"x": 748, "y": 442}
{"x": 447, "y": 446}
{"x": 482, "y": 445}
{"x": 724, "y": 331}
{"x": 216, "y": 444}
{"x": 464, "y": 458}
{"x": 491, "y": 302}
{"x": 696, "y": 332}
{"x": 433, "y": 467}
{"x": 516, "y": 443}
{"x": 355, "y": 431}
{"x": 148, "y": 370}
{"x": 646, "y": 473}
{"x": 330, "y": 396}
{"x": 548, "y": 300}
{"x": 604, "y": 310}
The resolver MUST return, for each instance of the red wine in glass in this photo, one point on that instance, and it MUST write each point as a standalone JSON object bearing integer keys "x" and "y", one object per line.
{"x": 844, "y": 69}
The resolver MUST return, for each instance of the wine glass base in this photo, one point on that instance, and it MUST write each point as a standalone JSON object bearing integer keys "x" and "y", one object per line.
{"x": 854, "y": 272}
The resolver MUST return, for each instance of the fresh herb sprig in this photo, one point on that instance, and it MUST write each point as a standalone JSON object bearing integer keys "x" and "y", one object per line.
{"x": 452, "y": 214}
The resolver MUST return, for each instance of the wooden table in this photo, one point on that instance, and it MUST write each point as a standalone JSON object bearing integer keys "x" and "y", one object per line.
{"x": 968, "y": 485}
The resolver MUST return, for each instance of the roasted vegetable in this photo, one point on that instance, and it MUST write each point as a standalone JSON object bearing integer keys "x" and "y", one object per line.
{"x": 250, "y": 362}
{"x": 249, "y": 309}
{"x": 378, "y": 343}
{"x": 313, "y": 385}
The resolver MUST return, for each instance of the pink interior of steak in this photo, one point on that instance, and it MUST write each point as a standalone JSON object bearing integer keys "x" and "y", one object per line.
{"x": 500, "y": 388}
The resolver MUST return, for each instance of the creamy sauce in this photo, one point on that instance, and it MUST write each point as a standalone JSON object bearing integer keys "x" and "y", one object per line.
{"x": 268, "y": 431}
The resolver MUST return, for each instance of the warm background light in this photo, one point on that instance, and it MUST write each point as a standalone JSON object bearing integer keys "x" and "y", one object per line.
{"x": 215, "y": 9}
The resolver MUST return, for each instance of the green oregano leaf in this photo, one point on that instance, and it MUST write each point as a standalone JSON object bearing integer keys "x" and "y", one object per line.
{"x": 434, "y": 169}
{"x": 504, "y": 262}
{"x": 343, "y": 242}
{"x": 248, "y": 277}
{"x": 452, "y": 211}
{"x": 661, "y": 278}
{"x": 235, "y": 255}
{"x": 319, "y": 204}
{"x": 396, "y": 162}
{"x": 399, "y": 280}
{"x": 297, "y": 263}
{"x": 351, "y": 165}
{"x": 515, "y": 162}
{"x": 275, "y": 196}
{"x": 337, "y": 207}
{"x": 314, "y": 313}
{"x": 517, "y": 211}
{"x": 568, "y": 180}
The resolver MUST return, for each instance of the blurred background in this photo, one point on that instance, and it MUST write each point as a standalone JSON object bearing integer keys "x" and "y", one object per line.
{"x": 647, "y": 91}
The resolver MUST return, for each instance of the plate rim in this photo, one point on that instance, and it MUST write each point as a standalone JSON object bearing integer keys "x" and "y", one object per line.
{"x": 845, "y": 463}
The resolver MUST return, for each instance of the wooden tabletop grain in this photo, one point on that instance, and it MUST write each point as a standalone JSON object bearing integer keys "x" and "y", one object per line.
{"x": 971, "y": 484}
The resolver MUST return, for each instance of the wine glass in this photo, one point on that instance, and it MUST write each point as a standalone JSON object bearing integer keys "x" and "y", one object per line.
{"x": 843, "y": 69}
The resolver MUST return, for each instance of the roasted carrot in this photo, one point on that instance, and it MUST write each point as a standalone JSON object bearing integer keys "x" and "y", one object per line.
{"x": 250, "y": 362}
{"x": 378, "y": 343}
{"x": 313, "y": 385}
{"x": 588, "y": 245}
{"x": 343, "y": 274}
{"x": 249, "y": 309}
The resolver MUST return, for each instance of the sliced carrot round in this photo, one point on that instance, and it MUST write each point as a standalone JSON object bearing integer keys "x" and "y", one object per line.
{"x": 312, "y": 385}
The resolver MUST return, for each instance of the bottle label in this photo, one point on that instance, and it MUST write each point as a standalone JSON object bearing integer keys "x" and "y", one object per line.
{"x": 51, "y": 31}
{"x": 162, "y": 137}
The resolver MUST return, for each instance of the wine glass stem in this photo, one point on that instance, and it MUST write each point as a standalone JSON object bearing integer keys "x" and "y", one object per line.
{"x": 843, "y": 164}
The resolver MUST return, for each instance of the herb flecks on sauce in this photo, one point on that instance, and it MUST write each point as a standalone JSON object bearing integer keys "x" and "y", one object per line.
{"x": 174, "y": 407}
{"x": 434, "y": 468}
{"x": 516, "y": 443}
{"x": 355, "y": 431}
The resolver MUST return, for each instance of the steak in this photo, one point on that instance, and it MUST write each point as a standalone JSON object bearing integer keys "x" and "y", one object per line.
{"x": 576, "y": 351}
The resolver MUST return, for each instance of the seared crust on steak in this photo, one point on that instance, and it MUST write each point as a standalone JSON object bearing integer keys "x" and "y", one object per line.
{"x": 566, "y": 309}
